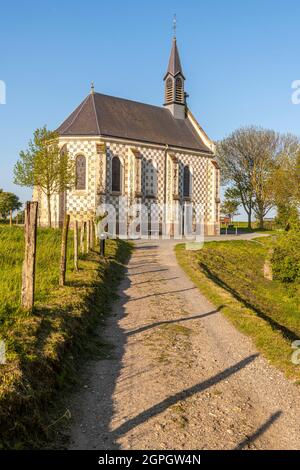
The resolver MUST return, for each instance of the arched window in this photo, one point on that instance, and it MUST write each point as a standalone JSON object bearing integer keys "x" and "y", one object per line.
{"x": 186, "y": 181}
{"x": 169, "y": 90}
{"x": 179, "y": 97}
{"x": 80, "y": 172}
{"x": 151, "y": 178}
{"x": 116, "y": 175}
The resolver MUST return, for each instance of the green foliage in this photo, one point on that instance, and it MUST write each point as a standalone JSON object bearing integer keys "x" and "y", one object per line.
{"x": 231, "y": 202}
{"x": 287, "y": 216}
{"x": 8, "y": 202}
{"x": 45, "y": 166}
{"x": 286, "y": 258}
{"x": 261, "y": 164}
{"x": 11, "y": 258}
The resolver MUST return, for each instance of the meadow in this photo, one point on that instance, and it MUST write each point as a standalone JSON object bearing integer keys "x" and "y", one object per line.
{"x": 234, "y": 276}
{"x": 44, "y": 348}
{"x": 11, "y": 258}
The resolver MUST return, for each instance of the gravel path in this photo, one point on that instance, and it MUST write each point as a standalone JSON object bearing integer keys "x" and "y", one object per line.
{"x": 180, "y": 375}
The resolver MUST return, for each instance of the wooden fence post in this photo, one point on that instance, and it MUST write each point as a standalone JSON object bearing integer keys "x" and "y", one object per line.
{"x": 63, "y": 253}
{"x": 76, "y": 245}
{"x": 28, "y": 271}
{"x": 88, "y": 236}
{"x": 102, "y": 246}
{"x": 82, "y": 230}
{"x": 10, "y": 218}
{"x": 92, "y": 234}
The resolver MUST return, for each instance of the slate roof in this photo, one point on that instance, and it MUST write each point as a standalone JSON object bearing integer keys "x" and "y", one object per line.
{"x": 108, "y": 116}
{"x": 174, "y": 67}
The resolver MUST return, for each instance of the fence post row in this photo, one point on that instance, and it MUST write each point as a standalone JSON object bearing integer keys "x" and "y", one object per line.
{"x": 63, "y": 254}
{"x": 88, "y": 237}
{"x": 28, "y": 270}
{"x": 82, "y": 230}
{"x": 76, "y": 245}
{"x": 92, "y": 234}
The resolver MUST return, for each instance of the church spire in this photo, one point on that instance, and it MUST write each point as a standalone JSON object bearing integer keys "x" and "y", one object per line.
{"x": 174, "y": 82}
{"x": 174, "y": 67}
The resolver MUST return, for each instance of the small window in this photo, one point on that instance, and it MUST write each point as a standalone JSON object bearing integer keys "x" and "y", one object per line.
{"x": 186, "y": 181}
{"x": 116, "y": 175}
{"x": 80, "y": 172}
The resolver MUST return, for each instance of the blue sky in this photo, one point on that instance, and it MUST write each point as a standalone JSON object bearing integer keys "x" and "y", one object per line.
{"x": 239, "y": 59}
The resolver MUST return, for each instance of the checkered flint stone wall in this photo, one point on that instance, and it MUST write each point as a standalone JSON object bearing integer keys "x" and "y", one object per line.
{"x": 82, "y": 203}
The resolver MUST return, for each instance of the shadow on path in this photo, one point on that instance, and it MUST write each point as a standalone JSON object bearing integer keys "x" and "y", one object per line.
{"x": 261, "y": 430}
{"x": 183, "y": 395}
{"x": 176, "y": 320}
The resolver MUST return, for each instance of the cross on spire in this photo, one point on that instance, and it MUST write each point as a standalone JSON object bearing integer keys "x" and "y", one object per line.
{"x": 174, "y": 25}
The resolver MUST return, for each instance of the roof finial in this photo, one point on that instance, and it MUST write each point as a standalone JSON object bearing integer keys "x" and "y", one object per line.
{"x": 174, "y": 26}
{"x": 92, "y": 88}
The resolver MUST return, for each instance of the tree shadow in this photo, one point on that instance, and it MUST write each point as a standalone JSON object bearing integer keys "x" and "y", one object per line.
{"x": 145, "y": 247}
{"x": 261, "y": 430}
{"x": 162, "y": 293}
{"x": 155, "y": 280}
{"x": 291, "y": 335}
{"x": 183, "y": 395}
{"x": 177, "y": 320}
{"x": 149, "y": 272}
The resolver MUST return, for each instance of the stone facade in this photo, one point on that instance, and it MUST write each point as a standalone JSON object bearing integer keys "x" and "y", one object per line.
{"x": 148, "y": 174}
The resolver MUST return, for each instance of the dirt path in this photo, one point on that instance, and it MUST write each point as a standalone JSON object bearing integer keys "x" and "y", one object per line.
{"x": 180, "y": 376}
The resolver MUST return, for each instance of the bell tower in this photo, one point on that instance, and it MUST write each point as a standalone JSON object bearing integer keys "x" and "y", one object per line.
{"x": 174, "y": 84}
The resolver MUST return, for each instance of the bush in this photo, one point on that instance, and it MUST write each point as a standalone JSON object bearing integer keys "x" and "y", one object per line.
{"x": 286, "y": 258}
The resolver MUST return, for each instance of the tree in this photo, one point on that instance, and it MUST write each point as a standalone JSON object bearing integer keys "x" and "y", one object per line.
{"x": 231, "y": 203}
{"x": 287, "y": 215}
{"x": 46, "y": 166}
{"x": 9, "y": 202}
{"x": 248, "y": 159}
{"x": 287, "y": 183}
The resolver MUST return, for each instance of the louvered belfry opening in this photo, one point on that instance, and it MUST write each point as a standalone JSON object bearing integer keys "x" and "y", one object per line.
{"x": 116, "y": 175}
{"x": 179, "y": 94}
{"x": 169, "y": 91}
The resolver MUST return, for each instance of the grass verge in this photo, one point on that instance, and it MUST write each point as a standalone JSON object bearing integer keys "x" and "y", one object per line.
{"x": 44, "y": 348}
{"x": 231, "y": 276}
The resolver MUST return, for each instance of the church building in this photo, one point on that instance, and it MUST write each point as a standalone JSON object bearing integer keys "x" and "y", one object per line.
{"x": 151, "y": 154}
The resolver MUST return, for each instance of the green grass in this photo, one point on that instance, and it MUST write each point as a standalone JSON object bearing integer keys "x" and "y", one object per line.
{"x": 11, "y": 258}
{"x": 44, "y": 348}
{"x": 231, "y": 275}
{"x": 270, "y": 227}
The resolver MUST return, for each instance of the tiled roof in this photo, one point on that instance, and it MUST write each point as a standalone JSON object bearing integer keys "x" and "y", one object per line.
{"x": 108, "y": 116}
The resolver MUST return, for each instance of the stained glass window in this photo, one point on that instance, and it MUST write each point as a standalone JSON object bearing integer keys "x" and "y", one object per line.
{"x": 80, "y": 172}
{"x": 186, "y": 181}
{"x": 116, "y": 175}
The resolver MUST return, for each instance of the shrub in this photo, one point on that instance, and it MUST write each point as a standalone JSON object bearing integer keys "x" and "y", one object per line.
{"x": 286, "y": 258}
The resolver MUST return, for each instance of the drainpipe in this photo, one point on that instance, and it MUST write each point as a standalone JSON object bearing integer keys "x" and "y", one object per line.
{"x": 165, "y": 184}
{"x": 165, "y": 174}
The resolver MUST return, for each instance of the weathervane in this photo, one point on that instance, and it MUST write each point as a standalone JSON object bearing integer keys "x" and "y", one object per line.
{"x": 174, "y": 25}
